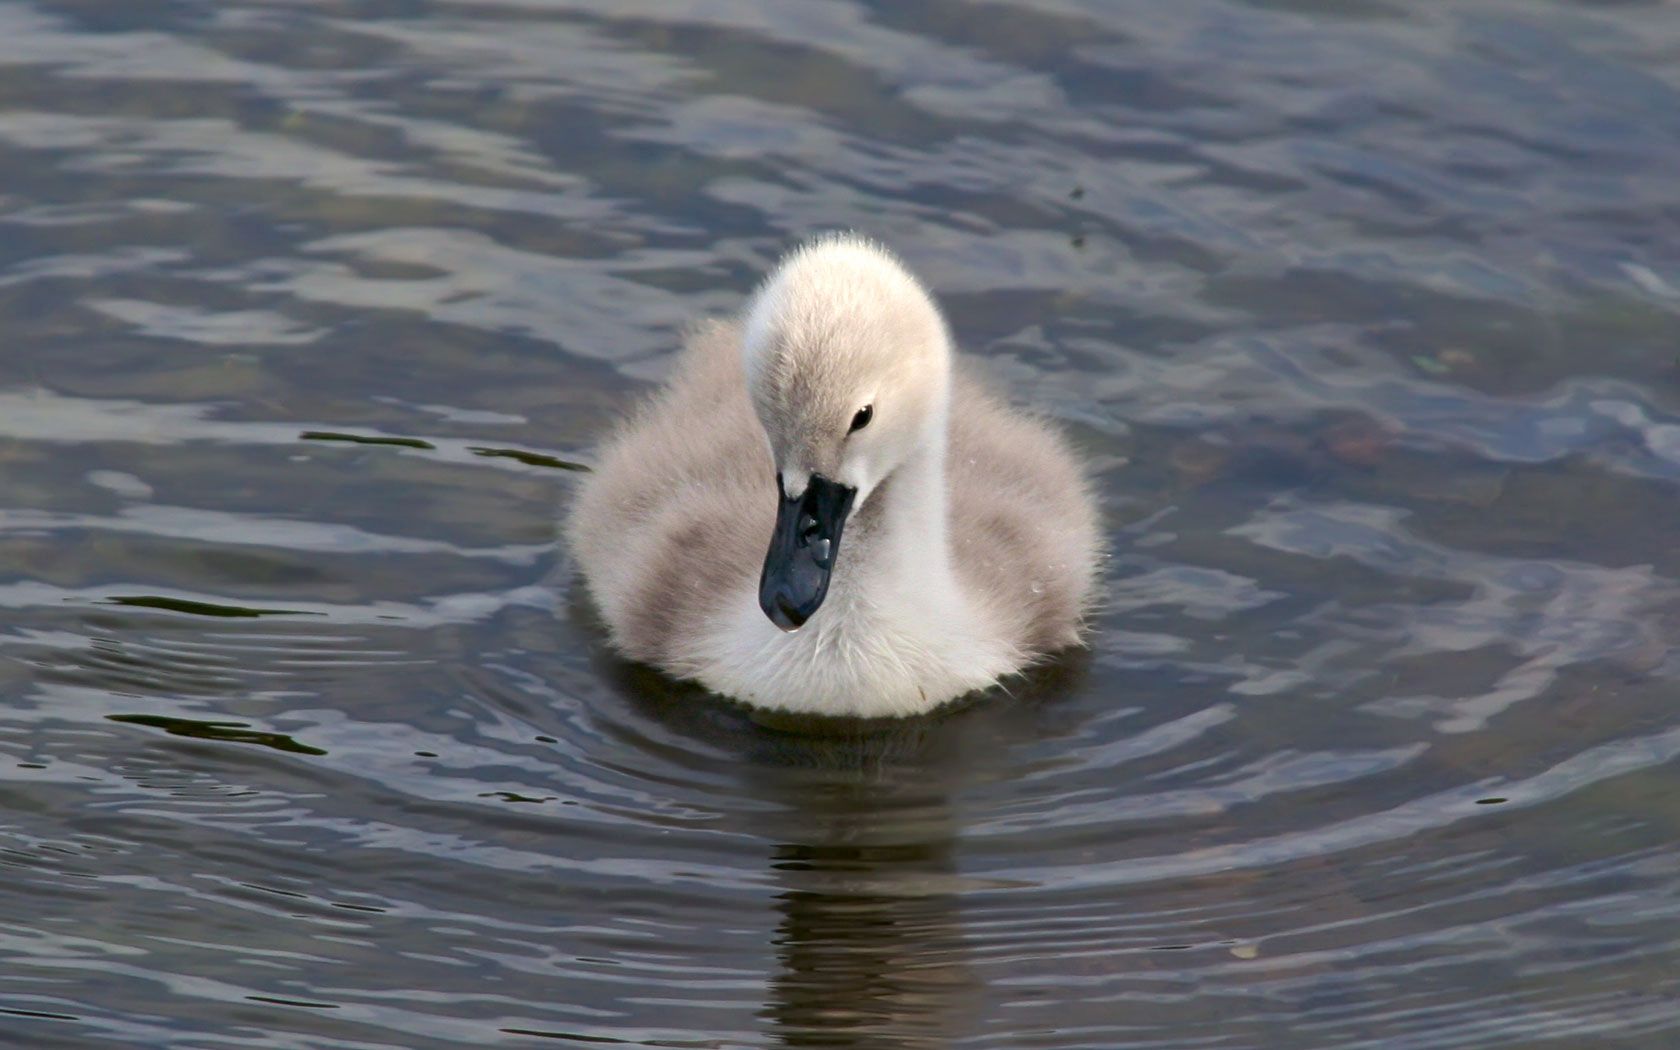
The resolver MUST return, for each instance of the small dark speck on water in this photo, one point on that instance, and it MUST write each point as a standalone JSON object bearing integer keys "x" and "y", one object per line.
{"x": 1490, "y": 801}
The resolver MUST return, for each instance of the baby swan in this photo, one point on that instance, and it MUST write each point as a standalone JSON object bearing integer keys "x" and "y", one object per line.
{"x": 819, "y": 514}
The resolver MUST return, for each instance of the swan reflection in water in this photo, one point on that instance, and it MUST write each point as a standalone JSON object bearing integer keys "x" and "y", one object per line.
{"x": 862, "y": 837}
{"x": 870, "y": 945}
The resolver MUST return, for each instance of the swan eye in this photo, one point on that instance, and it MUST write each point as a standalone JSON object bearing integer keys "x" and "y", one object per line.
{"x": 861, "y": 420}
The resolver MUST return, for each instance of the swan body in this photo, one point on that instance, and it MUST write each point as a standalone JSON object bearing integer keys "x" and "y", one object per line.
{"x": 924, "y": 539}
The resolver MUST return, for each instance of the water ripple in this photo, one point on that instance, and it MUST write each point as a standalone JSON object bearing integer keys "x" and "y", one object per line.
{"x": 1363, "y": 314}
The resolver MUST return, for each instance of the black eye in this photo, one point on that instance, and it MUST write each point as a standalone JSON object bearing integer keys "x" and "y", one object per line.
{"x": 861, "y": 420}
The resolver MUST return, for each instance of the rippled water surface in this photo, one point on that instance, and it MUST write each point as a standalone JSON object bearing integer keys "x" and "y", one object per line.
{"x": 1364, "y": 314}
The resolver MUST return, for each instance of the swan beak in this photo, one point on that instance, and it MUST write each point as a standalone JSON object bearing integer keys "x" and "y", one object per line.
{"x": 802, "y": 550}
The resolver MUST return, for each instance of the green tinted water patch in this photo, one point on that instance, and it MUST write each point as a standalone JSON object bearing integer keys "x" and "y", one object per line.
{"x": 192, "y": 608}
{"x": 363, "y": 439}
{"x": 231, "y": 732}
{"x": 530, "y": 459}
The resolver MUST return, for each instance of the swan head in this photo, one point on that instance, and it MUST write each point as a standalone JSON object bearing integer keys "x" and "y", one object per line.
{"x": 848, "y": 366}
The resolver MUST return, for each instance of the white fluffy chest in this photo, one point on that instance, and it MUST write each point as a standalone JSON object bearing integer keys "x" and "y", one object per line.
{"x": 886, "y": 650}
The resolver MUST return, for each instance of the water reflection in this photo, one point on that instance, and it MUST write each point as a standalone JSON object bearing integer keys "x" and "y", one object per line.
{"x": 862, "y": 828}
{"x": 1365, "y": 315}
{"x": 870, "y": 948}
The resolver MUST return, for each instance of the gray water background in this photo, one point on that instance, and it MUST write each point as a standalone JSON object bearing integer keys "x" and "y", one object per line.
{"x": 1364, "y": 314}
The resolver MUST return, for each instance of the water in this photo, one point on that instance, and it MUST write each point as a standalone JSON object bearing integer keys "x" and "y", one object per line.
{"x": 1364, "y": 314}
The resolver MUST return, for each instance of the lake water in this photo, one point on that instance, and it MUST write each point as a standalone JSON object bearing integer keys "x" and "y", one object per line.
{"x": 1366, "y": 315}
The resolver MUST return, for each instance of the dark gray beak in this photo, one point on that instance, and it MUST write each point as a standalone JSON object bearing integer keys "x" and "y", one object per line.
{"x": 802, "y": 551}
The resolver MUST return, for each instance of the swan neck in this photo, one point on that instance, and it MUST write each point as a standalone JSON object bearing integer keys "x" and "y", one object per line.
{"x": 915, "y": 521}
